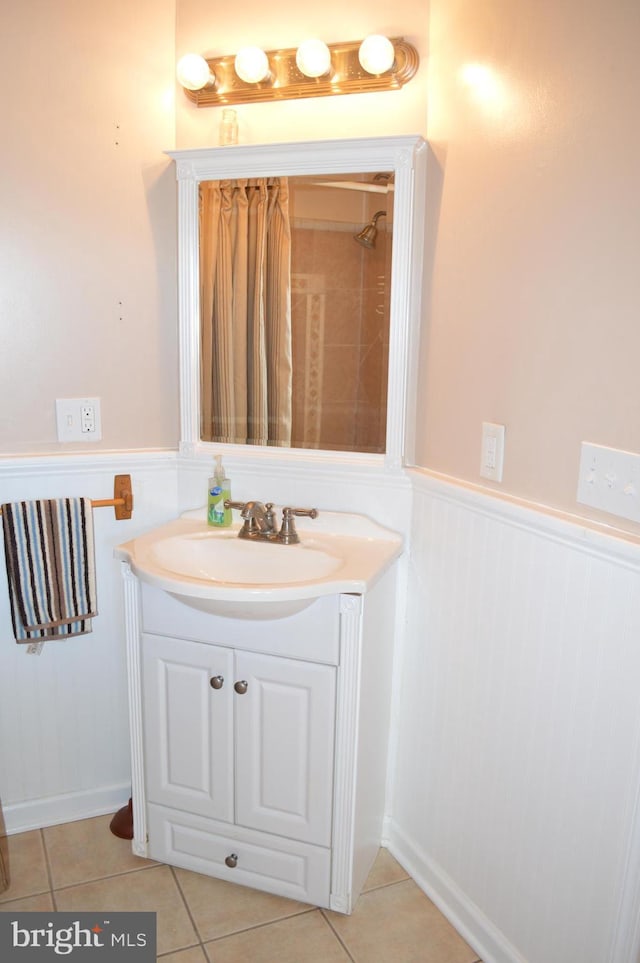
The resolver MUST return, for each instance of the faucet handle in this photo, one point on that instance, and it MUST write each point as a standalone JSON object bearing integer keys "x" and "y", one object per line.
{"x": 302, "y": 512}
{"x": 288, "y": 534}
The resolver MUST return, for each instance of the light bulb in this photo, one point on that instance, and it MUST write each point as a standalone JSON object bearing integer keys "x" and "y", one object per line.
{"x": 252, "y": 65}
{"x": 376, "y": 54}
{"x": 193, "y": 72}
{"x": 313, "y": 58}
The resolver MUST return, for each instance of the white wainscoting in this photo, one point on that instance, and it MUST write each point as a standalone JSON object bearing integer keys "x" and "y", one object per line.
{"x": 517, "y": 760}
{"x": 305, "y": 479}
{"x": 63, "y": 714}
{"x": 516, "y": 730}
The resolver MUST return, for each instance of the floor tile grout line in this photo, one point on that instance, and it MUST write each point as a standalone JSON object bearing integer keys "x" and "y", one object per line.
{"x": 196, "y": 928}
{"x": 182, "y": 949}
{"x": 52, "y": 889}
{"x": 259, "y": 926}
{"x": 392, "y": 882}
{"x": 98, "y": 879}
{"x": 14, "y": 899}
{"x": 49, "y": 869}
{"x": 338, "y": 937}
{"x": 201, "y": 939}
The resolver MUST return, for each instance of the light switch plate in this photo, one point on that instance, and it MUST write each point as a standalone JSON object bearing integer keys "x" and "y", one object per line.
{"x": 609, "y": 479}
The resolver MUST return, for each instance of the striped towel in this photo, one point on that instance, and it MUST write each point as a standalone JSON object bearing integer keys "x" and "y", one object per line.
{"x": 49, "y": 553}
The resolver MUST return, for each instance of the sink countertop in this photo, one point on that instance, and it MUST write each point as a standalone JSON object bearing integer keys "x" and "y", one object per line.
{"x": 363, "y": 550}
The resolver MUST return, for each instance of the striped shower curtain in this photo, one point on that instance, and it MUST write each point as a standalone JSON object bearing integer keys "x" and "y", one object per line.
{"x": 245, "y": 304}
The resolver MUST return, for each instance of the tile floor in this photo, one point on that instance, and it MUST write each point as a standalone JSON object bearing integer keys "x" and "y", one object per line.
{"x": 82, "y": 866}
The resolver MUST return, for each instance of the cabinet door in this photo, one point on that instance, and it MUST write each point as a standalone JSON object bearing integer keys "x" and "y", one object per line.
{"x": 284, "y": 746}
{"x": 188, "y": 725}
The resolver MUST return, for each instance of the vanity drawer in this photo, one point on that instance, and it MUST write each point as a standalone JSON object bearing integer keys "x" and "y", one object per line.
{"x": 312, "y": 634}
{"x": 274, "y": 864}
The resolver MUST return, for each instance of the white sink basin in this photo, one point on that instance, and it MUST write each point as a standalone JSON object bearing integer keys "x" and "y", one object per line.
{"x": 214, "y": 570}
{"x": 225, "y": 558}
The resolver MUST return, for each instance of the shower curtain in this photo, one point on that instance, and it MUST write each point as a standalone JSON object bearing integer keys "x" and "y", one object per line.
{"x": 245, "y": 304}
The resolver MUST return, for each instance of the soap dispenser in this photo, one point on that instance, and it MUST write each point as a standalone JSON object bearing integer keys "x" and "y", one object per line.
{"x": 218, "y": 491}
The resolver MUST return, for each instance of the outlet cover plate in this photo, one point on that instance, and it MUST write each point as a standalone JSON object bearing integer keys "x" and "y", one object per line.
{"x": 78, "y": 419}
{"x": 492, "y": 455}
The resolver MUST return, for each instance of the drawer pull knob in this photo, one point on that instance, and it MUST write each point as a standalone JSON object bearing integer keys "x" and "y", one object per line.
{"x": 232, "y": 861}
{"x": 216, "y": 682}
{"x": 241, "y": 686}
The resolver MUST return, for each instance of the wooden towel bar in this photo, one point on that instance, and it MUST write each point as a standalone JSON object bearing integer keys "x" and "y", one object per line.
{"x": 122, "y": 500}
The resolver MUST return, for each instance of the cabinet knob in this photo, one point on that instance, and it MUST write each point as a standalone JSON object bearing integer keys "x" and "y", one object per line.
{"x": 231, "y": 861}
{"x": 241, "y": 686}
{"x": 216, "y": 682}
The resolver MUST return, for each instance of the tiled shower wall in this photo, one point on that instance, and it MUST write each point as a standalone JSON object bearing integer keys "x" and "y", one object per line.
{"x": 340, "y": 319}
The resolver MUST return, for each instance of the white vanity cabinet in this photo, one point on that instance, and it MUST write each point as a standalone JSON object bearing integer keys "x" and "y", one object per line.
{"x": 256, "y": 753}
{"x": 259, "y": 746}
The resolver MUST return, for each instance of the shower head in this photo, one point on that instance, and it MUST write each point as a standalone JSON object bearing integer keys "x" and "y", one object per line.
{"x": 367, "y": 236}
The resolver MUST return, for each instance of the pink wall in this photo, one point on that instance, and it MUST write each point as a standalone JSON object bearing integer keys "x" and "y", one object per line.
{"x": 532, "y": 287}
{"x": 533, "y": 301}
{"x": 87, "y": 234}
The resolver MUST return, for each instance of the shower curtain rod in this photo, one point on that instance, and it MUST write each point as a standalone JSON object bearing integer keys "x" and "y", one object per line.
{"x": 355, "y": 186}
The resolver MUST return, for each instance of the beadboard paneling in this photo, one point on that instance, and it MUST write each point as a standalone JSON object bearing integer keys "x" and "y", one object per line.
{"x": 63, "y": 714}
{"x": 517, "y": 759}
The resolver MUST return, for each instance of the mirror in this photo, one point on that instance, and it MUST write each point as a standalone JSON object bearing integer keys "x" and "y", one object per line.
{"x": 352, "y": 210}
{"x": 322, "y": 334}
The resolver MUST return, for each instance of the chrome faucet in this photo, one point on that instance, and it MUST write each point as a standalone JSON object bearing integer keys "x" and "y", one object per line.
{"x": 260, "y": 521}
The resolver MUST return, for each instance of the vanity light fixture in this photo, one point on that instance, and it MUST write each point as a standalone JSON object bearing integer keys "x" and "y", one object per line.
{"x": 314, "y": 69}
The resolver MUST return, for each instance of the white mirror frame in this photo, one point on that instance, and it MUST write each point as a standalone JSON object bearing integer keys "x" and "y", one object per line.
{"x": 406, "y": 157}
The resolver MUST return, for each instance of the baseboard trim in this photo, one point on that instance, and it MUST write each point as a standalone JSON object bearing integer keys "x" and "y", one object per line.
{"x": 486, "y": 940}
{"x": 52, "y": 810}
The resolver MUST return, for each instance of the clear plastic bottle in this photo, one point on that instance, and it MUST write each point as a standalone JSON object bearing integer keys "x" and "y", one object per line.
{"x": 228, "y": 127}
{"x": 219, "y": 491}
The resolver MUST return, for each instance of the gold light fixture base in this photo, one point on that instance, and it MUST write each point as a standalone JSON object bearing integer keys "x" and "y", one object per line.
{"x": 286, "y": 82}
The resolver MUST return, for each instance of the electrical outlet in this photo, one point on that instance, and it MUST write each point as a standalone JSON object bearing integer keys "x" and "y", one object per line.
{"x": 609, "y": 479}
{"x": 87, "y": 418}
{"x": 78, "y": 419}
{"x": 492, "y": 456}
